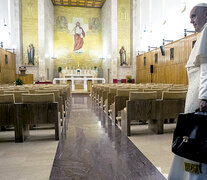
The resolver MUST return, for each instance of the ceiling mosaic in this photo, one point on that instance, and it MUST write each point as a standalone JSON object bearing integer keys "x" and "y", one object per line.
{"x": 79, "y": 3}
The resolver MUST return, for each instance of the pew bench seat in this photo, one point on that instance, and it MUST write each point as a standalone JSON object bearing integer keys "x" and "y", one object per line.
{"x": 152, "y": 110}
{"x": 36, "y": 109}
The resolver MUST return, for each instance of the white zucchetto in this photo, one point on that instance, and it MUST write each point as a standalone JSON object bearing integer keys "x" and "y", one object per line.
{"x": 201, "y": 5}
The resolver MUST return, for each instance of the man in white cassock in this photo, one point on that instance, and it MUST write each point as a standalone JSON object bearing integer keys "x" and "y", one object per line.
{"x": 197, "y": 91}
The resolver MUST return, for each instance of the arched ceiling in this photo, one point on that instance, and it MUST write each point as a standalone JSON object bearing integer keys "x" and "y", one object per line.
{"x": 79, "y": 3}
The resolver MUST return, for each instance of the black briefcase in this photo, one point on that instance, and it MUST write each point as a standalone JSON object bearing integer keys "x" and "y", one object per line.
{"x": 190, "y": 137}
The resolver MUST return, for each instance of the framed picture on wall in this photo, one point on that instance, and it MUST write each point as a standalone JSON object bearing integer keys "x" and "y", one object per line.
{"x": 6, "y": 59}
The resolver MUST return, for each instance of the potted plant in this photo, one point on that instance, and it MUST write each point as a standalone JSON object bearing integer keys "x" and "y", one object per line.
{"x": 129, "y": 80}
{"x": 19, "y": 81}
{"x": 59, "y": 69}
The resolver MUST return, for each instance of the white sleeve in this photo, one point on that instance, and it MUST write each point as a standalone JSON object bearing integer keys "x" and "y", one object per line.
{"x": 203, "y": 81}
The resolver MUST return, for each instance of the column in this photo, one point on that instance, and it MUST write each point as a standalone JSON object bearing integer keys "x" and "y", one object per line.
{"x": 135, "y": 32}
{"x": 16, "y": 31}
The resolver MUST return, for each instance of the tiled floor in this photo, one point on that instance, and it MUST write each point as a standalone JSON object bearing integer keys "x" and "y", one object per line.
{"x": 34, "y": 158}
{"x": 96, "y": 149}
{"x": 31, "y": 160}
{"x": 157, "y": 148}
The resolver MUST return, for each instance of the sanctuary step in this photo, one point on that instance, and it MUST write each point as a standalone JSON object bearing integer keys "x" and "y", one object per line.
{"x": 95, "y": 148}
{"x": 80, "y": 91}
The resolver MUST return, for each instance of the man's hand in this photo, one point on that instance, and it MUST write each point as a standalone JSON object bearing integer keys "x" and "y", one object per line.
{"x": 203, "y": 106}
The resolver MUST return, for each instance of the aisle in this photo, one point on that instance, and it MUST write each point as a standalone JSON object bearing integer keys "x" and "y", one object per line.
{"x": 94, "y": 148}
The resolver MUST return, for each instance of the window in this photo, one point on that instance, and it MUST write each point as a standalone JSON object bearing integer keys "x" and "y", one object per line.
{"x": 144, "y": 61}
{"x": 156, "y": 58}
{"x": 6, "y": 59}
{"x": 171, "y": 53}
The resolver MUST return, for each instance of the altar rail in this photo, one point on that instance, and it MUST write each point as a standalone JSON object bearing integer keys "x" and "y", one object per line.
{"x": 84, "y": 79}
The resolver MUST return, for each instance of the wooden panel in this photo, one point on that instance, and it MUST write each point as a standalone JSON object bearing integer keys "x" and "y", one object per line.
{"x": 35, "y": 113}
{"x": 89, "y": 86}
{"x": 26, "y": 79}
{"x": 7, "y": 67}
{"x": 79, "y": 86}
{"x": 166, "y": 70}
{"x": 69, "y": 82}
{"x": 7, "y": 114}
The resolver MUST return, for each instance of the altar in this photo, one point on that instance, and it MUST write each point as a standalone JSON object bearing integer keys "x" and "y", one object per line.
{"x": 78, "y": 84}
{"x": 72, "y": 72}
{"x": 78, "y": 78}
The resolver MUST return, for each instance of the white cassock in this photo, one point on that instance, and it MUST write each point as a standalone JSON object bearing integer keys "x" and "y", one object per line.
{"x": 197, "y": 90}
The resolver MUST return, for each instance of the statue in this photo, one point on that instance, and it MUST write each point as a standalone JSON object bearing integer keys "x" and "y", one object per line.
{"x": 31, "y": 54}
{"x": 122, "y": 53}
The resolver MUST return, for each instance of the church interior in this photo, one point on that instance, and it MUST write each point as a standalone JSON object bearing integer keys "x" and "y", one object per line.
{"x": 91, "y": 89}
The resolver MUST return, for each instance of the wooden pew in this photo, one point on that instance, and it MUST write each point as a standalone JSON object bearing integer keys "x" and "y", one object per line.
{"x": 104, "y": 95}
{"x": 99, "y": 94}
{"x": 122, "y": 95}
{"x": 58, "y": 99}
{"x": 36, "y": 109}
{"x": 142, "y": 106}
{"x": 17, "y": 95}
{"x": 96, "y": 93}
{"x": 178, "y": 89}
{"x": 152, "y": 110}
{"x": 121, "y": 103}
{"x": 65, "y": 93}
{"x": 110, "y": 99}
{"x": 173, "y": 104}
{"x": 159, "y": 92}
{"x": 7, "y": 110}
{"x": 93, "y": 91}
{"x": 179, "y": 85}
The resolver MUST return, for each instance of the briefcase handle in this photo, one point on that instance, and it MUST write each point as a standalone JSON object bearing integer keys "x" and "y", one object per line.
{"x": 201, "y": 113}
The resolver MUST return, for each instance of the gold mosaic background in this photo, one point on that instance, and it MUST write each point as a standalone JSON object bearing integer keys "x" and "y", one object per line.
{"x": 123, "y": 28}
{"x": 63, "y": 38}
{"x": 30, "y": 28}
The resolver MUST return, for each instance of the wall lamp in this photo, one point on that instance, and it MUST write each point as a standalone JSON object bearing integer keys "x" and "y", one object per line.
{"x": 165, "y": 40}
{"x": 8, "y": 49}
{"x": 141, "y": 52}
{"x": 162, "y": 49}
{"x": 186, "y": 31}
{"x": 149, "y": 48}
